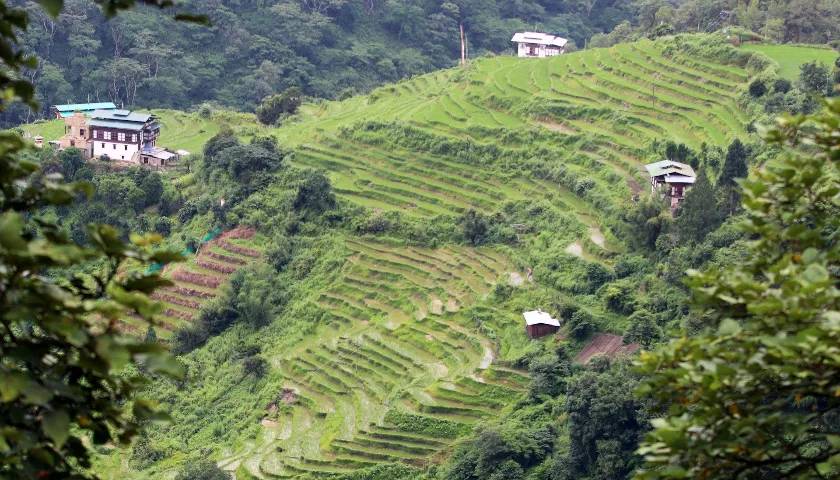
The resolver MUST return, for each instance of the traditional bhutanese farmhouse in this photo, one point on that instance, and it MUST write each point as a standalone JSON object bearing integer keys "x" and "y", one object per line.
{"x": 64, "y": 111}
{"x": 122, "y": 134}
{"x": 539, "y": 324}
{"x": 538, "y": 45}
{"x": 671, "y": 180}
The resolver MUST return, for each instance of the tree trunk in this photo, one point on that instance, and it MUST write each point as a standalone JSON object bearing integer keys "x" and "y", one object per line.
{"x": 463, "y": 45}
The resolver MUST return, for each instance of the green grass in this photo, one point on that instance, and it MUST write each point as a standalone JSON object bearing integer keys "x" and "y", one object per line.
{"x": 353, "y": 372}
{"x": 179, "y": 130}
{"x": 790, "y": 57}
{"x": 391, "y": 333}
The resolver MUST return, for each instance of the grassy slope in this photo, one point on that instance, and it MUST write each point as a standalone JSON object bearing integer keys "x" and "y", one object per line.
{"x": 635, "y": 92}
{"x": 388, "y": 326}
{"x": 179, "y": 130}
{"x": 790, "y": 57}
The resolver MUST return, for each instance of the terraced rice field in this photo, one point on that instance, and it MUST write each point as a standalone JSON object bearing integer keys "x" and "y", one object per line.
{"x": 591, "y": 113}
{"x": 199, "y": 279}
{"x": 397, "y": 347}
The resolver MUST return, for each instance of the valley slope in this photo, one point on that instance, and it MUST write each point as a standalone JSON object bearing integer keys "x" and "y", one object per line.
{"x": 399, "y": 347}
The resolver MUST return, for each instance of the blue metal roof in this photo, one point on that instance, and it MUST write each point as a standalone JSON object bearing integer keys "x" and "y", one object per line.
{"x": 115, "y": 124}
{"x": 121, "y": 116}
{"x": 70, "y": 108}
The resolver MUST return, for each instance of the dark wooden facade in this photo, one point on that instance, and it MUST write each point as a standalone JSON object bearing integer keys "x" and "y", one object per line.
{"x": 145, "y": 136}
{"x": 540, "y": 330}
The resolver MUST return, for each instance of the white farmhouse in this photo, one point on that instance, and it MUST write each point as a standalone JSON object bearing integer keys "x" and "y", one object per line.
{"x": 121, "y": 134}
{"x": 538, "y": 45}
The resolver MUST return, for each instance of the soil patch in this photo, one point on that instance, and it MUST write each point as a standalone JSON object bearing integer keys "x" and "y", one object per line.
{"x": 597, "y": 237}
{"x": 575, "y": 248}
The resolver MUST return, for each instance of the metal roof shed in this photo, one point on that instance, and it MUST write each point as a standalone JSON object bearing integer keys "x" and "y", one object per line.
{"x": 539, "y": 323}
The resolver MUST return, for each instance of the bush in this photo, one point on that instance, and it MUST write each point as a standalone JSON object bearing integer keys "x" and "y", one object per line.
{"x": 202, "y": 470}
{"x": 619, "y": 296}
{"x": 757, "y": 88}
{"x": 274, "y": 106}
{"x": 163, "y": 226}
{"x": 474, "y": 226}
{"x": 255, "y": 366}
{"x": 581, "y": 325}
{"x": 643, "y": 329}
{"x": 782, "y": 85}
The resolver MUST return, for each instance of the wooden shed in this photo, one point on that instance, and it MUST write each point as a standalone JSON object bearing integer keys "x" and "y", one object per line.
{"x": 539, "y": 324}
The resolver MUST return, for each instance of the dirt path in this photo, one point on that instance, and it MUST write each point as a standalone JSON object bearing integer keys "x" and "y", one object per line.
{"x": 575, "y": 248}
{"x": 557, "y": 127}
{"x": 597, "y": 237}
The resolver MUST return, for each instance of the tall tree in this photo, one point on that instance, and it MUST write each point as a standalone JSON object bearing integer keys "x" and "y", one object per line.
{"x": 698, "y": 214}
{"x": 756, "y": 394}
{"x": 734, "y": 168}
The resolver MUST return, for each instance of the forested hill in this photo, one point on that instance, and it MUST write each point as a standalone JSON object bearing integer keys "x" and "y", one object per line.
{"x": 256, "y": 48}
{"x": 336, "y": 48}
{"x": 360, "y": 316}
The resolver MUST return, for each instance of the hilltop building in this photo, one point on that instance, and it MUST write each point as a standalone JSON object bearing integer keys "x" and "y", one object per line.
{"x": 64, "y": 111}
{"x": 671, "y": 180}
{"x": 539, "y": 324}
{"x": 538, "y": 45}
{"x": 122, "y": 134}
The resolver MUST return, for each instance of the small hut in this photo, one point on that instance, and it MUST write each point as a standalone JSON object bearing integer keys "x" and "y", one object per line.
{"x": 539, "y": 324}
{"x": 671, "y": 180}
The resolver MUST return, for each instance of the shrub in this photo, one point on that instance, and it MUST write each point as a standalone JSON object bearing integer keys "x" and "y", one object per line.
{"x": 581, "y": 325}
{"x": 643, "y": 329}
{"x": 757, "y": 88}
{"x": 255, "y": 366}
{"x": 620, "y": 296}
{"x": 202, "y": 470}
{"x": 163, "y": 226}
{"x": 814, "y": 77}
{"x": 782, "y": 85}
{"x": 474, "y": 226}
{"x": 274, "y": 106}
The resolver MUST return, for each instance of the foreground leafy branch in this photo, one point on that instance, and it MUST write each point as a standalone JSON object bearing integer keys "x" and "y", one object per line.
{"x": 67, "y": 375}
{"x": 758, "y": 395}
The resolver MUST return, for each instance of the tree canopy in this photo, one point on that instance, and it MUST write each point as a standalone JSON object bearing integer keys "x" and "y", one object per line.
{"x": 755, "y": 394}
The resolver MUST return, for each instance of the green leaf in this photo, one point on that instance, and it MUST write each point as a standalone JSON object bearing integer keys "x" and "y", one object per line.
{"x": 729, "y": 327}
{"x": 53, "y": 7}
{"x": 56, "y": 425}
{"x": 11, "y": 225}
{"x": 815, "y": 273}
{"x": 34, "y": 393}
{"x": 11, "y": 385}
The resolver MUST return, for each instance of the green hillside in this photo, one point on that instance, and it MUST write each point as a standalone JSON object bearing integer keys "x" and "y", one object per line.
{"x": 389, "y": 352}
{"x": 791, "y": 57}
{"x": 576, "y": 128}
{"x": 179, "y": 130}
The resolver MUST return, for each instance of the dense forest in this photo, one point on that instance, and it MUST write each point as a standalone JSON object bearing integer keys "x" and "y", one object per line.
{"x": 335, "y": 48}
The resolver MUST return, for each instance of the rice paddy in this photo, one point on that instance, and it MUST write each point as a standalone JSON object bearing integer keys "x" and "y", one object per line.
{"x": 397, "y": 365}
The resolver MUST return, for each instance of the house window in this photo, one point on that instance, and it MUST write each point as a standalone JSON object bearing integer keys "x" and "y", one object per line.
{"x": 96, "y": 134}
{"x": 103, "y": 145}
{"x": 107, "y": 135}
{"x": 114, "y": 146}
{"x": 121, "y": 136}
{"x": 122, "y": 156}
{"x": 133, "y": 138}
{"x": 126, "y": 147}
